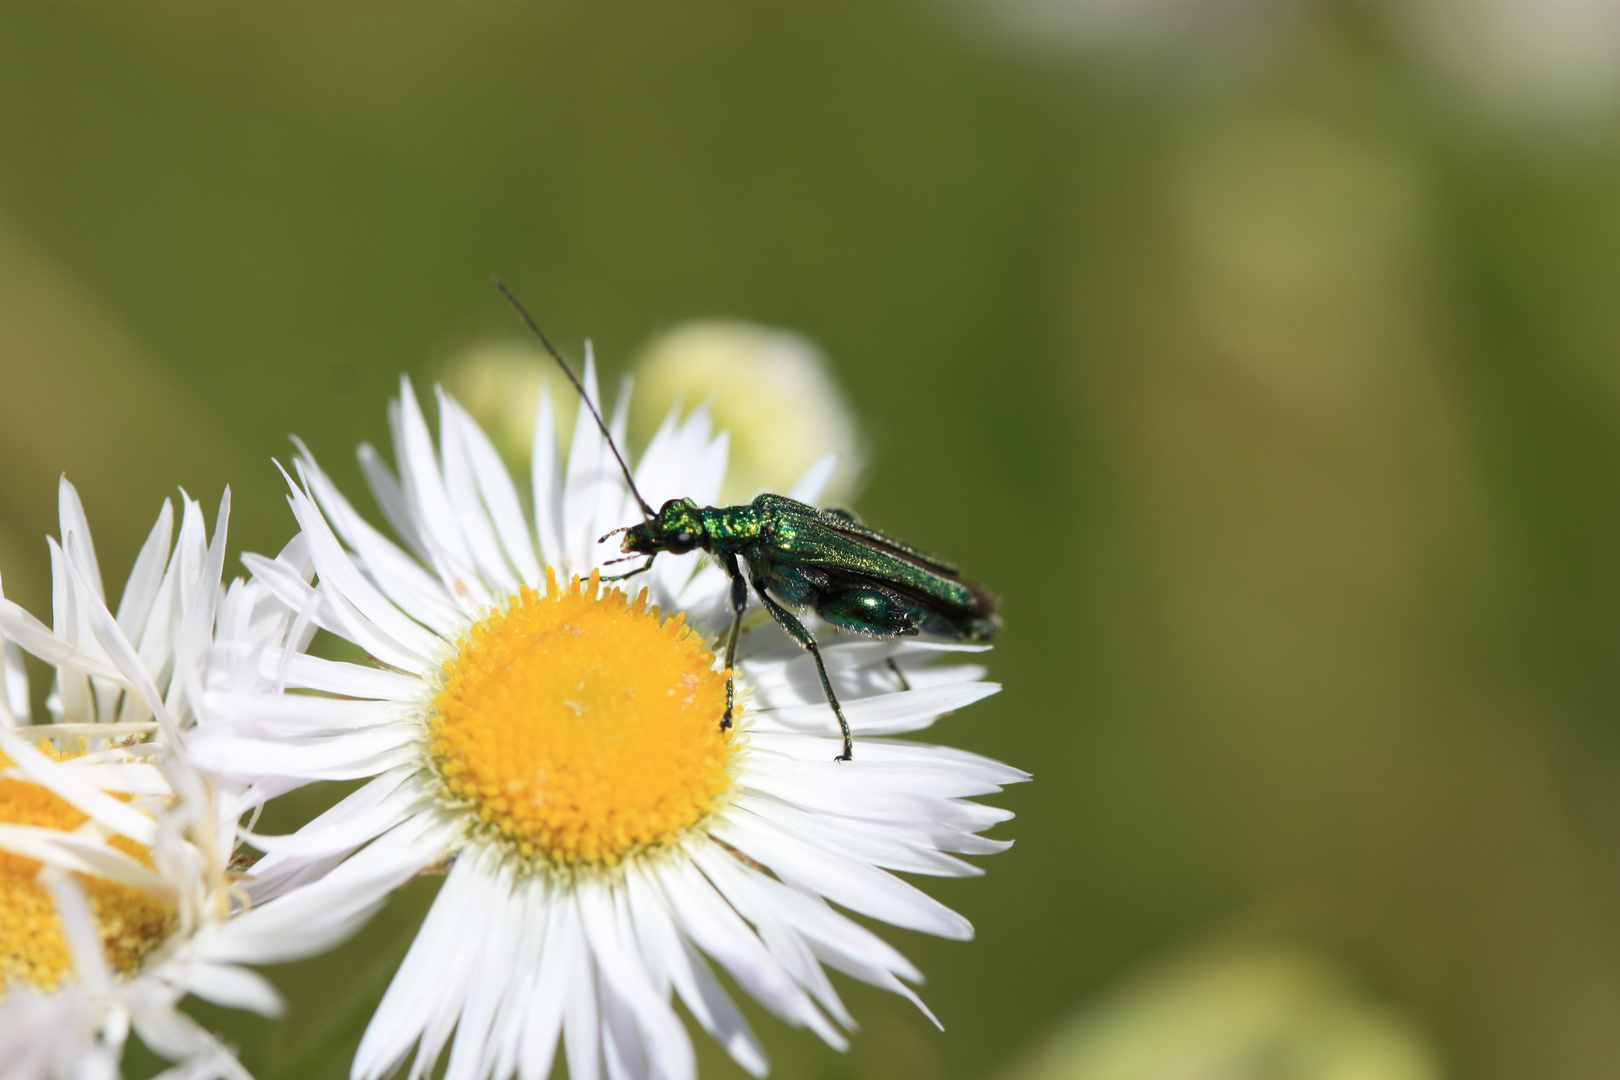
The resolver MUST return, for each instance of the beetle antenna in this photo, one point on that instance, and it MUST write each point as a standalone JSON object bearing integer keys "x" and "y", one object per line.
{"x": 647, "y": 512}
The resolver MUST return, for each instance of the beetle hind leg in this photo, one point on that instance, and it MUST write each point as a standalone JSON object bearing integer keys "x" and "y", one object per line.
{"x": 874, "y": 612}
{"x": 786, "y": 620}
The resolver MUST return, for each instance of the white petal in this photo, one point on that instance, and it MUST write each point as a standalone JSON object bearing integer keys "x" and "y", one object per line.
{"x": 624, "y": 975}
{"x": 833, "y": 939}
{"x": 938, "y": 760}
{"x": 461, "y": 487}
{"x": 507, "y": 1030}
{"x": 299, "y": 714}
{"x": 71, "y": 512}
{"x": 812, "y": 915}
{"x": 191, "y": 551}
{"x": 235, "y": 987}
{"x": 428, "y": 501}
{"x": 714, "y": 927}
{"x": 778, "y": 934}
{"x": 349, "y": 756}
{"x": 13, "y": 683}
{"x": 814, "y": 481}
{"x": 418, "y": 593}
{"x": 582, "y": 1029}
{"x": 71, "y": 786}
{"x": 360, "y": 817}
{"x": 834, "y": 797}
{"x": 923, "y": 779}
{"x": 79, "y": 928}
{"x": 390, "y": 497}
{"x": 82, "y": 855}
{"x": 702, "y": 994}
{"x": 128, "y": 663}
{"x": 276, "y": 873}
{"x": 590, "y": 469}
{"x": 864, "y": 840}
{"x": 147, "y": 574}
{"x": 655, "y": 468}
{"x": 360, "y": 630}
{"x": 883, "y": 714}
{"x": 546, "y": 484}
{"x": 338, "y": 572}
{"x": 420, "y": 477}
{"x": 71, "y": 694}
{"x": 314, "y": 917}
{"x": 284, "y": 581}
{"x": 841, "y": 879}
{"x": 431, "y": 981}
{"x": 120, "y": 776}
{"x": 337, "y": 677}
{"x": 796, "y": 683}
{"x": 174, "y": 1035}
{"x": 199, "y": 612}
{"x": 849, "y": 650}
{"x": 500, "y": 496}
{"x": 473, "y": 1052}
{"x": 626, "y": 507}
{"x": 21, "y": 627}
{"x": 703, "y": 487}
{"x": 544, "y": 1015}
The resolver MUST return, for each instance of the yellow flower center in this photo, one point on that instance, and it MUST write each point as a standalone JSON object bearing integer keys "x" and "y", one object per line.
{"x": 582, "y": 727}
{"x": 33, "y": 948}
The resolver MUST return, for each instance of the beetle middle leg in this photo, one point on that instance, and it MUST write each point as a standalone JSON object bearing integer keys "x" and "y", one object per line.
{"x": 785, "y": 619}
{"x": 739, "y": 604}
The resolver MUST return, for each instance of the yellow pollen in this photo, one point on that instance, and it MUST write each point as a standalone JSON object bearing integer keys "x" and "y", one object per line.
{"x": 33, "y": 949}
{"x": 583, "y": 727}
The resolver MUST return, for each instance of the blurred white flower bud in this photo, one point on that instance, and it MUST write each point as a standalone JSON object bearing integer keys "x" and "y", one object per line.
{"x": 498, "y": 382}
{"x": 770, "y": 388}
{"x": 1237, "y": 1014}
{"x": 1528, "y": 60}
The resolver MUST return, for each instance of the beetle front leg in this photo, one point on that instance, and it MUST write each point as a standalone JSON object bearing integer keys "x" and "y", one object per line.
{"x": 642, "y": 569}
{"x": 739, "y": 604}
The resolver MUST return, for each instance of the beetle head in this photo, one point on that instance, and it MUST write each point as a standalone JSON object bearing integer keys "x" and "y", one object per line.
{"x": 677, "y": 529}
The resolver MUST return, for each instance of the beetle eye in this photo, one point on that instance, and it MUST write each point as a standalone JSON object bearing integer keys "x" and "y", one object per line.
{"x": 684, "y": 539}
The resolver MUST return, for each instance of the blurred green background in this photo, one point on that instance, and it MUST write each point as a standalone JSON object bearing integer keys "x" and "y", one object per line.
{"x": 1264, "y": 356}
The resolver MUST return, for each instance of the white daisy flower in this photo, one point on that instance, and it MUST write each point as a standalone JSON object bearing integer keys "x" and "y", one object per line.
{"x": 115, "y": 895}
{"x": 559, "y": 742}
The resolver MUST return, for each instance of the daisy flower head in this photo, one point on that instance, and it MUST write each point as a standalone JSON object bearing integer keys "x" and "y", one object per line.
{"x": 557, "y": 739}
{"x": 115, "y": 895}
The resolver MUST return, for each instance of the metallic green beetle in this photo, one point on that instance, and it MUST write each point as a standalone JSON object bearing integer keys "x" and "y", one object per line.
{"x": 798, "y": 556}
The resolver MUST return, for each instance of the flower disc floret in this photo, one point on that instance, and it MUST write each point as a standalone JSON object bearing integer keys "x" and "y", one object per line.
{"x": 583, "y": 727}
{"x": 33, "y": 948}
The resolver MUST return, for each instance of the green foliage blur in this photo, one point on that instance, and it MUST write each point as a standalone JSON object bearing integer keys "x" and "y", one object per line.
{"x": 1265, "y": 359}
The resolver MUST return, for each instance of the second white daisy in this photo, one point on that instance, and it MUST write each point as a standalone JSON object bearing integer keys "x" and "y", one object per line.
{"x": 116, "y": 897}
